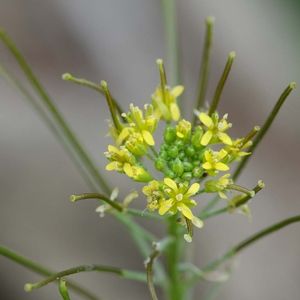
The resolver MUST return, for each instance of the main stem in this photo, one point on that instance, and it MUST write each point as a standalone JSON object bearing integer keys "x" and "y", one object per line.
{"x": 174, "y": 253}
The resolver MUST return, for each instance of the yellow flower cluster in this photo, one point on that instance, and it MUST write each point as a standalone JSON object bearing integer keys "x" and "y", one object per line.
{"x": 187, "y": 156}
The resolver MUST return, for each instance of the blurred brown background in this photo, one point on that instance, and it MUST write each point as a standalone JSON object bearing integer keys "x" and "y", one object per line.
{"x": 119, "y": 41}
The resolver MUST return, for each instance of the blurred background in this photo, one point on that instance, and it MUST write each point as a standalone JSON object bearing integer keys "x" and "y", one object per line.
{"x": 119, "y": 41}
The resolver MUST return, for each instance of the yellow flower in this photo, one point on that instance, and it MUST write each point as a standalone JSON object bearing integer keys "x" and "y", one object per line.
{"x": 154, "y": 194}
{"x": 179, "y": 200}
{"x": 123, "y": 161}
{"x": 183, "y": 129}
{"x": 213, "y": 161}
{"x": 235, "y": 150}
{"x": 215, "y": 129}
{"x": 165, "y": 102}
{"x": 142, "y": 123}
{"x": 219, "y": 185}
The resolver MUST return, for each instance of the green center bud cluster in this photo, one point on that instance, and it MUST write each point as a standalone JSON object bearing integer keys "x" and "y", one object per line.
{"x": 180, "y": 158}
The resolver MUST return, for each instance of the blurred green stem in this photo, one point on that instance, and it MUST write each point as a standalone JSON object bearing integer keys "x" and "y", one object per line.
{"x": 54, "y": 112}
{"x": 40, "y": 269}
{"x": 63, "y": 290}
{"x": 171, "y": 37}
{"x": 205, "y": 64}
{"x": 132, "y": 275}
{"x": 264, "y": 128}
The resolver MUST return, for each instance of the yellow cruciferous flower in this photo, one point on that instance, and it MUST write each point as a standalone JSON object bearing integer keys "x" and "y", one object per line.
{"x": 139, "y": 122}
{"x": 121, "y": 160}
{"x": 219, "y": 185}
{"x": 215, "y": 129}
{"x": 213, "y": 161}
{"x": 179, "y": 200}
{"x": 165, "y": 102}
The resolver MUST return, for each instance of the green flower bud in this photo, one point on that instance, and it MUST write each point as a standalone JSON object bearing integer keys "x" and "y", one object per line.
{"x": 173, "y": 152}
{"x": 179, "y": 143}
{"x": 164, "y": 155}
{"x": 190, "y": 151}
{"x": 169, "y": 173}
{"x": 197, "y": 172}
{"x": 196, "y": 163}
{"x": 196, "y": 137}
{"x": 187, "y": 176}
{"x": 181, "y": 155}
{"x": 177, "y": 167}
{"x": 170, "y": 134}
{"x": 187, "y": 166}
{"x": 160, "y": 164}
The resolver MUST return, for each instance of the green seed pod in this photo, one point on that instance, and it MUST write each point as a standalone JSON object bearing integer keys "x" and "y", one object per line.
{"x": 187, "y": 176}
{"x": 170, "y": 134}
{"x": 173, "y": 152}
{"x": 177, "y": 167}
{"x": 187, "y": 166}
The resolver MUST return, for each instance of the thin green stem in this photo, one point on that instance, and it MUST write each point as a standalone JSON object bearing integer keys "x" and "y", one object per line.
{"x": 42, "y": 270}
{"x": 92, "y": 85}
{"x": 241, "y": 246}
{"x": 63, "y": 290}
{"x": 205, "y": 64}
{"x": 233, "y": 204}
{"x": 114, "y": 204}
{"x": 142, "y": 213}
{"x": 54, "y": 112}
{"x": 13, "y": 81}
{"x": 265, "y": 127}
{"x": 171, "y": 38}
{"x": 86, "y": 268}
{"x": 174, "y": 254}
{"x": 220, "y": 86}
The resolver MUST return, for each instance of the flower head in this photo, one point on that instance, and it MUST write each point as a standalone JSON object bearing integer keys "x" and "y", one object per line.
{"x": 183, "y": 129}
{"x": 219, "y": 185}
{"x": 213, "y": 161}
{"x": 121, "y": 160}
{"x": 215, "y": 129}
{"x": 179, "y": 199}
{"x": 165, "y": 102}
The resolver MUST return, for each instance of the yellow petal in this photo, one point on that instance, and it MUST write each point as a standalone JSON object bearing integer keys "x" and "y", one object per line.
{"x": 221, "y": 167}
{"x": 206, "y": 138}
{"x": 207, "y": 166}
{"x": 128, "y": 170}
{"x": 206, "y": 120}
{"x": 123, "y": 135}
{"x": 177, "y": 90}
{"x": 165, "y": 206}
{"x": 170, "y": 183}
{"x": 175, "y": 112}
{"x": 222, "y": 153}
{"x": 185, "y": 211}
{"x": 197, "y": 222}
{"x": 113, "y": 149}
{"x": 111, "y": 166}
{"x": 225, "y": 138}
{"x": 194, "y": 188}
{"x": 207, "y": 156}
{"x": 147, "y": 136}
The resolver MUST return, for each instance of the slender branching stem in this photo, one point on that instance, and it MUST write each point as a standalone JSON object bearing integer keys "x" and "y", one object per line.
{"x": 114, "y": 204}
{"x": 92, "y": 85}
{"x": 200, "y": 273}
{"x": 63, "y": 290}
{"x": 205, "y": 64}
{"x": 265, "y": 127}
{"x": 54, "y": 112}
{"x": 241, "y": 201}
{"x": 221, "y": 84}
{"x": 132, "y": 275}
{"x": 42, "y": 270}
